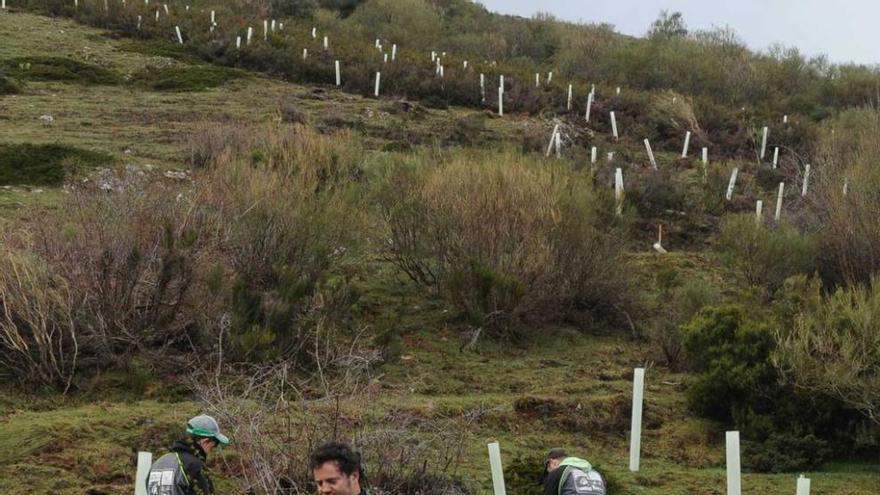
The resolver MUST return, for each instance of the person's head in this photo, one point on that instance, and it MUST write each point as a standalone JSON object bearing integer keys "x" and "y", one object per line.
{"x": 337, "y": 469}
{"x": 206, "y": 432}
{"x": 553, "y": 459}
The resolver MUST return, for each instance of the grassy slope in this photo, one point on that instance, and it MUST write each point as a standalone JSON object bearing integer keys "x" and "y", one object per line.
{"x": 50, "y": 445}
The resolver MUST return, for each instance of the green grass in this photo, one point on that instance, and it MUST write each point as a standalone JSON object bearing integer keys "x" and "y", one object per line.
{"x": 159, "y": 48}
{"x": 191, "y": 78}
{"x": 57, "y": 69}
{"x": 46, "y": 164}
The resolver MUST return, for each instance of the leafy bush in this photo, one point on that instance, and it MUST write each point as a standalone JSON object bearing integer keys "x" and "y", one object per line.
{"x": 57, "y": 69}
{"x": 506, "y": 240}
{"x": 762, "y": 256}
{"x": 44, "y": 164}
{"x": 737, "y": 383}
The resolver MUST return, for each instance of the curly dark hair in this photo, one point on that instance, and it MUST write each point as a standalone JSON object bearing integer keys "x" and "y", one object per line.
{"x": 348, "y": 460}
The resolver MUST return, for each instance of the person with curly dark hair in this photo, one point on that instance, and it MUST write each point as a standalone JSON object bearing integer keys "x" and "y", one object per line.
{"x": 337, "y": 470}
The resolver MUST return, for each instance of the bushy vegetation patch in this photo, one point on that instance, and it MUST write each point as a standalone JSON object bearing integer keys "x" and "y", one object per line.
{"x": 58, "y": 69}
{"x": 44, "y": 164}
{"x": 506, "y": 239}
{"x": 736, "y": 382}
{"x": 185, "y": 78}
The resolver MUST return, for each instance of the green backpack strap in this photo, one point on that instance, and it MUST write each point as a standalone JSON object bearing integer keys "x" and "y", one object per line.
{"x": 182, "y": 469}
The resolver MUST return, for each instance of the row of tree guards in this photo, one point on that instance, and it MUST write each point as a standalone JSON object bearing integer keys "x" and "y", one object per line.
{"x": 732, "y": 449}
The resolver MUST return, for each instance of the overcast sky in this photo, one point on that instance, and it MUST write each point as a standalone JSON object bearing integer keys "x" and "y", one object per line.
{"x": 845, "y": 30}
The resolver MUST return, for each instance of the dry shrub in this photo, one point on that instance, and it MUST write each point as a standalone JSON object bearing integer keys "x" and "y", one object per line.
{"x": 277, "y": 415}
{"x": 37, "y": 336}
{"x": 506, "y": 239}
{"x": 150, "y": 265}
{"x": 848, "y": 223}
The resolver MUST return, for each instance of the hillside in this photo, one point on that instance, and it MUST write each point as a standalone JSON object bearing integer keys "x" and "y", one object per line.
{"x": 143, "y": 133}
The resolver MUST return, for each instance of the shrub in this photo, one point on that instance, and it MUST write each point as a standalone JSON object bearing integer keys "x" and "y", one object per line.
{"x": 44, "y": 164}
{"x": 833, "y": 348}
{"x": 8, "y": 85}
{"x": 736, "y": 382}
{"x": 38, "y": 339}
{"x": 848, "y": 223}
{"x": 57, "y": 69}
{"x": 194, "y": 78}
{"x": 762, "y": 256}
{"x": 505, "y": 240}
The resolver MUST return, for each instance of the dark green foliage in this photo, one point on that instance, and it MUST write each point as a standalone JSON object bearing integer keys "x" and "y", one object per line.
{"x": 8, "y": 85}
{"x": 45, "y": 164}
{"x": 731, "y": 358}
{"x": 735, "y": 382}
{"x": 524, "y": 473}
{"x": 58, "y": 69}
{"x": 160, "y": 48}
{"x": 196, "y": 78}
{"x": 768, "y": 178}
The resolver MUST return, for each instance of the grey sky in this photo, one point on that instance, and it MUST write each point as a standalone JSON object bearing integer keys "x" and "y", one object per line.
{"x": 845, "y": 30}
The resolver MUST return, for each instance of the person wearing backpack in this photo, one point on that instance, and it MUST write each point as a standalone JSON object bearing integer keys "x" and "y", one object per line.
{"x": 183, "y": 471}
{"x": 566, "y": 475}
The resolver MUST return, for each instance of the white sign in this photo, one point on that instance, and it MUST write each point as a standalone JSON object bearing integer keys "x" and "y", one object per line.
{"x": 144, "y": 463}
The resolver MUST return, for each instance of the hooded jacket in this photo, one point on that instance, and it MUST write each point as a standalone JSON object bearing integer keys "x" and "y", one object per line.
{"x": 181, "y": 471}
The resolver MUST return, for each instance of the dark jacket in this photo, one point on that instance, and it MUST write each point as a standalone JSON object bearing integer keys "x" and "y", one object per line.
{"x": 192, "y": 479}
{"x": 574, "y": 477}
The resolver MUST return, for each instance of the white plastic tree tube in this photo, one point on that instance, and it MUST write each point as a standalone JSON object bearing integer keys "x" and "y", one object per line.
{"x": 614, "y": 126}
{"x": 650, "y": 154}
{"x": 779, "y": 201}
{"x": 635, "y": 441}
{"x": 687, "y": 144}
{"x": 803, "y": 485}
{"x": 552, "y": 140}
{"x": 338, "y": 74}
{"x": 734, "y": 475}
{"x": 618, "y": 189}
{"x": 568, "y": 104}
{"x": 731, "y": 184}
{"x": 378, "y": 79}
{"x": 497, "y": 469}
{"x": 805, "y": 186}
{"x": 179, "y": 36}
{"x": 759, "y": 211}
{"x": 764, "y": 142}
{"x": 144, "y": 463}
{"x": 589, "y": 107}
{"x": 775, "y": 157}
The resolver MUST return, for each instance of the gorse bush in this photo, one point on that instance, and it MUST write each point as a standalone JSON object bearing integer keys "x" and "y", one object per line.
{"x": 762, "y": 256}
{"x": 506, "y": 240}
{"x": 736, "y": 382}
